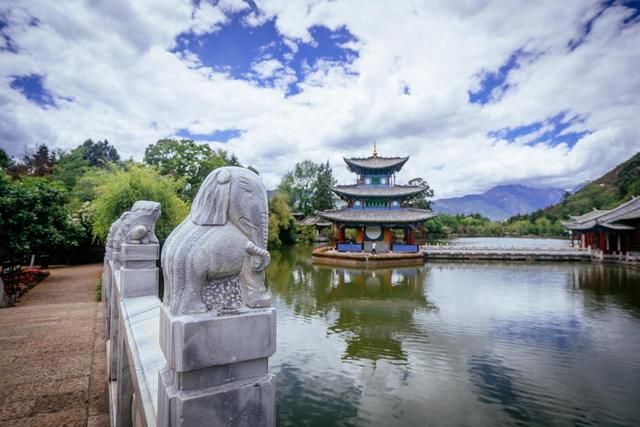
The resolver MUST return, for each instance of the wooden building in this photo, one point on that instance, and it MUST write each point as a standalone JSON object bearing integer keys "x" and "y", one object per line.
{"x": 376, "y": 208}
{"x": 614, "y": 231}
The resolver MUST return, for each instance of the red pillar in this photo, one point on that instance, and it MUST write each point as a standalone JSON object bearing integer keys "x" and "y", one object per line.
{"x": 602, "y": 245}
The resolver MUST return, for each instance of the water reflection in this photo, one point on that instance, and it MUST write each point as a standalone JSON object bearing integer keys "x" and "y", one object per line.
{"x": 456, "y": 343}
{"x": 375, "y": 306}
{"x": 370, "y": 308}
{"x": 606, "y": 283}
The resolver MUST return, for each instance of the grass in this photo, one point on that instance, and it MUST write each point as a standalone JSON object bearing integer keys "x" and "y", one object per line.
{"x": 99, "y": 290}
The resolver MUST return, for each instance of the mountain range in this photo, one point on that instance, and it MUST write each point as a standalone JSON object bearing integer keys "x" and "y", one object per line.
{"x": 501, "y": 202}
{"x": 616, "y": 186}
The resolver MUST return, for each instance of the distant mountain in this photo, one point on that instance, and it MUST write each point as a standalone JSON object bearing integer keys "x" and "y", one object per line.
{"x": 501, "y": 202}
{"x": 613, "y": 188}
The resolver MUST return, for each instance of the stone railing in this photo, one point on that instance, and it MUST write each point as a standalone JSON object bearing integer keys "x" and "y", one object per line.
{"x": 199, "y": 356}
{"x": 130, "y": 289}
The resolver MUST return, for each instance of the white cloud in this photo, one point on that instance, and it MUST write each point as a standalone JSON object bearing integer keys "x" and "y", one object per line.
{"x": 113, "y": 60}
{"x": 207, "y": 18}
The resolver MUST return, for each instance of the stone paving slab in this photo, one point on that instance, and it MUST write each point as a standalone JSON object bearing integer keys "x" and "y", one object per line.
{"x": 52, "y": 353}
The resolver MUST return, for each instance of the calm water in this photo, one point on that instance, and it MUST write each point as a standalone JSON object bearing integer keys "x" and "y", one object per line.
{"x": 456, "y": 344}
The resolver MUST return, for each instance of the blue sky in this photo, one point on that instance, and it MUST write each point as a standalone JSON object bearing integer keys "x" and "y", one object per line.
{"x": 478, "y": 93}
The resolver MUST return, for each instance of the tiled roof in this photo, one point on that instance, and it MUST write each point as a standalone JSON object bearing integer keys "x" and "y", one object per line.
{"x": 376, "y": 162}
{"x": 606, "y": 219}
{"x": 315, "y": 220}
{"x": 378, "y": 190}
{"x": 377, "y": 216}
{"x": 626, "y": 211}
{"x": 588, "y": 216}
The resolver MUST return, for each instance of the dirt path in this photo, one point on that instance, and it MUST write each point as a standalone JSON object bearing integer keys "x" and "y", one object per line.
{"x": 52, "y": 353}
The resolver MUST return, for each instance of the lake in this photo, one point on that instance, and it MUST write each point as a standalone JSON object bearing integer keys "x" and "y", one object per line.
{"x": 455, "y": 343}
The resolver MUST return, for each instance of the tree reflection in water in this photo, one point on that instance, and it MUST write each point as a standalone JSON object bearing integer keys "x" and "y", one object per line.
{"x": 372, "y": 307}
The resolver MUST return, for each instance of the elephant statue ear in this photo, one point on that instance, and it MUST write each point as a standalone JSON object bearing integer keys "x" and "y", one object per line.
{"x": 211, "y": 204}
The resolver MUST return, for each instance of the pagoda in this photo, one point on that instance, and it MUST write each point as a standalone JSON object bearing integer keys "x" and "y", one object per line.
{"x": 376, "y": 208}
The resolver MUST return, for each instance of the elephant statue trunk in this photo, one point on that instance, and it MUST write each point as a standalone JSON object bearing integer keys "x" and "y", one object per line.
{"x": 215, "y": 259}
{"x": 252, "y": 276}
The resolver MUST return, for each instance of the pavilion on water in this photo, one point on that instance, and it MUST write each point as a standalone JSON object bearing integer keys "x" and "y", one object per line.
{"x": 376, "y": 208}
{"x": 614, "y": 231}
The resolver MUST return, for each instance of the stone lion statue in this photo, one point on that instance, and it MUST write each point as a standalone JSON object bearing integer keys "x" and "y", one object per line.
{"x": 215, "y": 259}
{"x": 139, "y": 227}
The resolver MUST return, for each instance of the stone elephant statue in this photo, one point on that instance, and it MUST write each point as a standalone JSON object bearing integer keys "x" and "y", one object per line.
{"x": 215, "y": 259}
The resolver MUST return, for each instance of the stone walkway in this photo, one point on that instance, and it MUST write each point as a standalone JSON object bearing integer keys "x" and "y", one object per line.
{"x": 52, "y": 353}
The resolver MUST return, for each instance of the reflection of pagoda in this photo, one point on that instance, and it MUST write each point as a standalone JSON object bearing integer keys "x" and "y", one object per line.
{"x": 375, "y": 308}
{"x": 376, "y": 207}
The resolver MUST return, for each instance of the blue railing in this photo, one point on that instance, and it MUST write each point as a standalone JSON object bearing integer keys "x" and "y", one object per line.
{"x": 400, "y": 247}
{"x": 349, "y": 247}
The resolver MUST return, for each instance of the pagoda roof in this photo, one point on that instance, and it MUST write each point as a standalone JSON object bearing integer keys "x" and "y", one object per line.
{"x": 606, "y": 219}
{"x": 386, "y": 191}
{"x": 375, "y": 163}
{"x": 377, "y": 216}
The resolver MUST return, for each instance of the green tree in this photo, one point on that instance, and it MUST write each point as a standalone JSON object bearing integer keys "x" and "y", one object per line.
{"x": 423, "y": 200}
{"x": 281, "y": 222}
{"x": 33, "y": 218}
{"x": 300, "y": 186}
{"x": 187, "y": 159}
{"x": 100, "y": 153}
{"x": 70, "y": 167}
{"x": 322, "y": 195}
{"x": 5, "y": 160}
{"x": 121, "y": 188}
{"x": 39, "y": 163}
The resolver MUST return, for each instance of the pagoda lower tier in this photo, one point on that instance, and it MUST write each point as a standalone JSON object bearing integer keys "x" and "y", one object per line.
{"x": 395, "y": 230}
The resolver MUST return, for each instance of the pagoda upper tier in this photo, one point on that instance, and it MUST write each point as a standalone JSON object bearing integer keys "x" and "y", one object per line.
{"x": 375, "y": 165}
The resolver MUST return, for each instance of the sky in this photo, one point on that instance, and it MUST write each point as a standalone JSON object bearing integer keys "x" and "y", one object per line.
{"x": 478, "y": 93}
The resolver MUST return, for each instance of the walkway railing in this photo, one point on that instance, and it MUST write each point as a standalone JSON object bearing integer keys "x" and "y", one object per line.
{"x": 438, "y": 251}
{"x": 200, "y": 373}
{"x": 506, "y": 253}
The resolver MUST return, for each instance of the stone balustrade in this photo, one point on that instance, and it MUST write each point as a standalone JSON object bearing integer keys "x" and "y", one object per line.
{"x": 204, "y": 363}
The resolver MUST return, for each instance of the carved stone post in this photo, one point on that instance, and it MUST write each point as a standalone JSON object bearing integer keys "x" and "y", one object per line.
{"x": 136, "y": 249}
{"x": 132, "y": 249}
{"x": 217, "y": 326}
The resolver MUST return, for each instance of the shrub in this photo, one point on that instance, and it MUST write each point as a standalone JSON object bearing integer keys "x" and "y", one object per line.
{"x": 33, "y": 218}
{"x": 121, "y": 188}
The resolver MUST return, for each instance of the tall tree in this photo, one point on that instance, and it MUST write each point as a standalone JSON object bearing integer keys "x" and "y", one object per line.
{"x": 100, "y": 153}
{"x": 323, "y": 196}
{"x": 70, "y": 167}
{"x": 39, "y": 163}
{"x": 423, "y": 200}
{"x": 5, "y": 160}
{"x": 186, "y": 159}
{"x": 300, "y": 186}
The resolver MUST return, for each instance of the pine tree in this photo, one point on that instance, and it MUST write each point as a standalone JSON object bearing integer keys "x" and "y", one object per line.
{"x": 323, "y": 196}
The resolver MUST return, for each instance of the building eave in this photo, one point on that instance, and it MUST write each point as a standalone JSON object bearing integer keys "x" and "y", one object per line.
{"x": 386, "y": 192}
{"x": 358, "y": 164}
{"x": 377, "y": 216}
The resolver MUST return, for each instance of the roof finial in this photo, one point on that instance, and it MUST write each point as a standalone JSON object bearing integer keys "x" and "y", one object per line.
{"x": 375, "y": 151}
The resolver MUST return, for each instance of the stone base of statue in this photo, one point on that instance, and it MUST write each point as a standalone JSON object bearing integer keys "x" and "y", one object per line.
{"x": 217, "y": 368}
